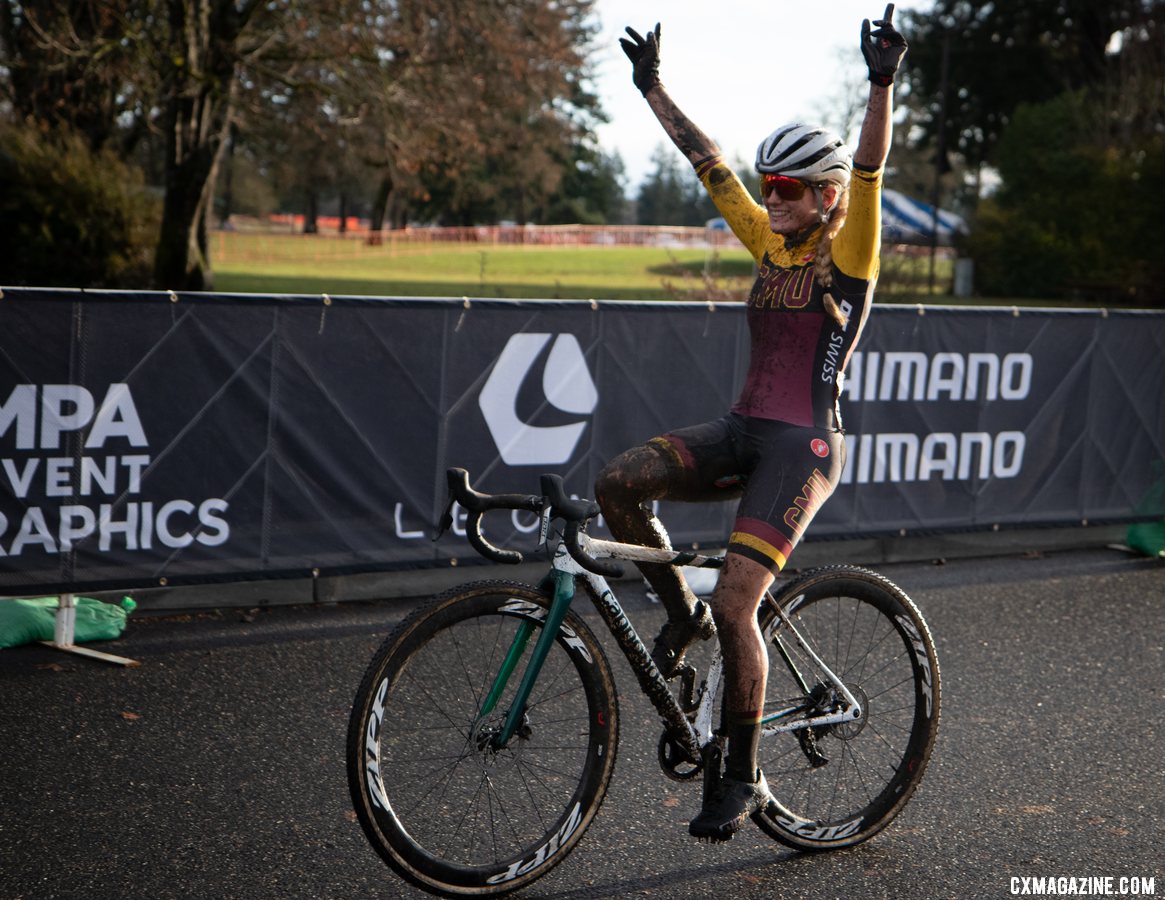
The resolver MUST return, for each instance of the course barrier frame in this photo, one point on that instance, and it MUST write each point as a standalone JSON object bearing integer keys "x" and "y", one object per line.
{"x": 158, "y": 438}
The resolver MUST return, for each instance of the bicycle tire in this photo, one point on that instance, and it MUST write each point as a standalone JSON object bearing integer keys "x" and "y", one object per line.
{"x": 869, "y": 632}
{"x": 445, "y": 812}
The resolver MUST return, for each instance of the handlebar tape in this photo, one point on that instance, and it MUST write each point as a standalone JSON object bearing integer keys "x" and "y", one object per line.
{"x": 573, "y": 512}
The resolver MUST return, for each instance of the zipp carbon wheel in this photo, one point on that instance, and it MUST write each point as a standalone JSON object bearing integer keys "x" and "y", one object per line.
{"x": 838, "y": 785}
{"x": 447, "y": 808}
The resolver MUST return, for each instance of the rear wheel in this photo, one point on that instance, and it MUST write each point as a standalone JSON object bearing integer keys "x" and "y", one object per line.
{"x": 447, "y": 808}
{"x": 838, "y": 785}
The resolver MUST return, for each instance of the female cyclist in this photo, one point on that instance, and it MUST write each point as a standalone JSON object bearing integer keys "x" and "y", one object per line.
{"x": 815, "y": 238}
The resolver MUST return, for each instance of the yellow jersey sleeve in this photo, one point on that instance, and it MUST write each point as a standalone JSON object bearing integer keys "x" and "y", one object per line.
{"x": 857, "y": 245}
{"x": 747, "y": 218}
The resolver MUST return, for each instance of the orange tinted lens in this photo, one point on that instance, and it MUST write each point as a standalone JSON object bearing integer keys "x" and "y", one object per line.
{"x": 787, "y": 188}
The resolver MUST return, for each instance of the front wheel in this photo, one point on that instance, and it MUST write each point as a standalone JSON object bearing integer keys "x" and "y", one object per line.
{"x": 447, "y": 807}
{"x": 837, "y": 785}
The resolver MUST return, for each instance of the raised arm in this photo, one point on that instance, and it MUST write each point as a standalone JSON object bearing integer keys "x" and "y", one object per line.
{"x": 874, "y": 140}
{"x": 644, "y": 55}
{"x": 883, "y": 50}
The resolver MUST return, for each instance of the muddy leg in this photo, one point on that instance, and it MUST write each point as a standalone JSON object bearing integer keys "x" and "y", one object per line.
{"x": 625, "y": 490}
{"x": 746, "y": 663}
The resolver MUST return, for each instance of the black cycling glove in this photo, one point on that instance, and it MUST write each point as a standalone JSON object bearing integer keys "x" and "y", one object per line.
{"x": 644, "y": 55}
{"x": 883, "y": 49}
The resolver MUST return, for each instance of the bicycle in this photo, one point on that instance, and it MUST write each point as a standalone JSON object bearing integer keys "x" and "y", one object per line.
{"x": 470, "y": 778}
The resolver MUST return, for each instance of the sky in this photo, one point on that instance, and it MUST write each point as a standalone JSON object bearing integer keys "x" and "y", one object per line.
{"x": 737, "y": 68}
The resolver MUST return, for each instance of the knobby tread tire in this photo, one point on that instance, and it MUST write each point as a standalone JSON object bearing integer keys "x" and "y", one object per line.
{"x": 872, "y": 635}
{"x": 443, "y": 809}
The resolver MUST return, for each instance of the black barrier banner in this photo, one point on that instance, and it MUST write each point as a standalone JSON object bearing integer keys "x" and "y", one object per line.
{"x": 153, "y": 438}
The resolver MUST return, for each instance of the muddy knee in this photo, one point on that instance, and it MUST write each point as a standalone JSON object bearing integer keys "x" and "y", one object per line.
{"x": 631, "y": 479}
{"x": 738, "y": 595}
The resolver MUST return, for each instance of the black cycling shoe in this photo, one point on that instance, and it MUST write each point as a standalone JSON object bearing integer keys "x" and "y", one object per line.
{"x": 676, "y": 636}
{"x": 727, "y": 806}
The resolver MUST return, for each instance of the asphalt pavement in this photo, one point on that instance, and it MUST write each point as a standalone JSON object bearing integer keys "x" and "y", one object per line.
{"x": 216, "y": 768}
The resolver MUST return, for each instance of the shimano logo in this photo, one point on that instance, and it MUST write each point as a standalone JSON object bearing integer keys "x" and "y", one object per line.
{"x": 567, "y": 386}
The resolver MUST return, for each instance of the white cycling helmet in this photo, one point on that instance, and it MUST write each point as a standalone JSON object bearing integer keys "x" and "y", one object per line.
{"x": 806, "y": 152}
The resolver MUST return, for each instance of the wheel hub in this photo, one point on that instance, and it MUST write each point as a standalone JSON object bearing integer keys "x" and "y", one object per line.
{"x": 847, "y": 731}
{"x": 487, "y": 736}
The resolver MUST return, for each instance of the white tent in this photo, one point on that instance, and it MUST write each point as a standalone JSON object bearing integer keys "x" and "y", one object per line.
{"x": 904, "y": 221}
{"x": 909, "y": 221}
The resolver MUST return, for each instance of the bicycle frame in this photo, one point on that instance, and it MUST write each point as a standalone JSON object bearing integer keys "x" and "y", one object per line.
{"x": 693, "y": 733}
{"x": 499, "y": 701}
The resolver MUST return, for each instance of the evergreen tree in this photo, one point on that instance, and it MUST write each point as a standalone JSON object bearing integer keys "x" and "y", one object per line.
{"x": 671, "y": 194}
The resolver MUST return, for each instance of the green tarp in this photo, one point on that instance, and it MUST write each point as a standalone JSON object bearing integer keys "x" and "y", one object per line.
{"x": 25, "y": 621}
{"x": 1147, "y": 538}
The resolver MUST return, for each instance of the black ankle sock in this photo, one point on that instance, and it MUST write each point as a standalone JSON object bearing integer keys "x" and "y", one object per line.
{"x": 743, "y": 741}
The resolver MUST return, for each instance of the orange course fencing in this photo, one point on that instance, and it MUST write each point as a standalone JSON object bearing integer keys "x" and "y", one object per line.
{"x": 330, "y": 242}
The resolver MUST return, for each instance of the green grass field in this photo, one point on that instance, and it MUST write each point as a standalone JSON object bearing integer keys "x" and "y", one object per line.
{"x": 303, "y": 264}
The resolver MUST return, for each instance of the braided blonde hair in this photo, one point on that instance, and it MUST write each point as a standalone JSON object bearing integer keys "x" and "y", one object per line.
{"x": 823, "y": 260}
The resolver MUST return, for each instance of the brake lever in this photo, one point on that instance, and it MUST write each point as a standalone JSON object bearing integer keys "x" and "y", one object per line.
{"x": 544, "y": 523}
{"x": 446, "y": 520}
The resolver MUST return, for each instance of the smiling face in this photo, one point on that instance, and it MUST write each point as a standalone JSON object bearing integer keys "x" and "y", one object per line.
{"x": 792, "y": 204}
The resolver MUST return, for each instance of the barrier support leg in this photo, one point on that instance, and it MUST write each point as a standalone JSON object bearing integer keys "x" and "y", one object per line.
{"x": 64, "y": 631}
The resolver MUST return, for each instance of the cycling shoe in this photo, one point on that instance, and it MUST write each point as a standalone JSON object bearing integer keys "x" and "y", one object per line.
{"x": 727, "y": 806}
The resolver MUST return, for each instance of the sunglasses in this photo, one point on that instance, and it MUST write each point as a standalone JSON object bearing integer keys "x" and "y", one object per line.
{"x": 789, "y": 189}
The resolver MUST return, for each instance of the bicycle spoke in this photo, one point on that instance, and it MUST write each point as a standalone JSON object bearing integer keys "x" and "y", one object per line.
{"x": 859, "y": 772}
{"x": 462, "y": 809}
{"x": 436, "y": 704}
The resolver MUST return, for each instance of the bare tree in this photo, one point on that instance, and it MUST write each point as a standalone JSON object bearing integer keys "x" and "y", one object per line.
{"x": 416, "y": 92}
{"x": 468, "y": 99}
{"x": 72, "y": 65}
{"x": 200, "y": 65}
